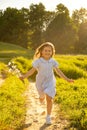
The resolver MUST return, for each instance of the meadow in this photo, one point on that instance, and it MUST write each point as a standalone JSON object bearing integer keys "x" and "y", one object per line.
{"x": 71, "y": 97}
{"x": 9, "y": 51}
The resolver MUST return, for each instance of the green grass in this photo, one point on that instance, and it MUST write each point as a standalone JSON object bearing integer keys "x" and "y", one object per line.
{"x": 12, "y": 104}
{"x": 9, "y": 51}
{"x": 72, "y": 97}
{"x": 73, "y": 66}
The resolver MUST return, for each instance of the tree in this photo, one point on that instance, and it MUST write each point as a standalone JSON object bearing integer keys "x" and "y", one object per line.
{"x": 36, "y": 23}
{"x": 61, "y": 31}
{"x": 79, "y": 18}
{"x": 81, "y": 46}
{"x": 13, "y": 27}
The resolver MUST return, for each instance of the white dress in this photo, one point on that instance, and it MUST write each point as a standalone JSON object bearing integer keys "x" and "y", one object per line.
{"x": 45, "y": 80}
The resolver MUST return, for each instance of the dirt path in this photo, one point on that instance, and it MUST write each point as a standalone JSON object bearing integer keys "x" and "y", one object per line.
{"x": 36, "y": 113}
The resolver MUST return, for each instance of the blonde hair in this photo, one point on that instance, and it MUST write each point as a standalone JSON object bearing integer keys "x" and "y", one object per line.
{"x": 41, "y": 47}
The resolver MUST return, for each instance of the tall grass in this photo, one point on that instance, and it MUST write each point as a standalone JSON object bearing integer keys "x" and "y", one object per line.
{"x": 12, "y": 104}
{"x": 73, "y": 66}
{"x": 73, "y": 97}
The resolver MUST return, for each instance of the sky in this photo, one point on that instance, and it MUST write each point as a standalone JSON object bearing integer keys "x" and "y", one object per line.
{"x": 49, "y": 4}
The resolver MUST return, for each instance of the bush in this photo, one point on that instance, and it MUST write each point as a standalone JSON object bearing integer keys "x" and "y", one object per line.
{"x": 73, "y": 100}
{"x": 24, "y": 64}
{"x": 73, "y": 66}
{"x": 12, "y": 103}
{"x": 3, "y": 70}
{"x": 73, "y": 72}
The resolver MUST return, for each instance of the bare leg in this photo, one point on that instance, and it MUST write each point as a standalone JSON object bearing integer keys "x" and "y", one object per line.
{"x": 49, "y": 104}
{"x": 41, "y": 99}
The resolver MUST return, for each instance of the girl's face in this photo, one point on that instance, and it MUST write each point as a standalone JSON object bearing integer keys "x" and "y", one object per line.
{"x": 47, "y": 52}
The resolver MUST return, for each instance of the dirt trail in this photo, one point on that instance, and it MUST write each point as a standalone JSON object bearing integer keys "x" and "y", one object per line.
{"x": 36, "y": 113}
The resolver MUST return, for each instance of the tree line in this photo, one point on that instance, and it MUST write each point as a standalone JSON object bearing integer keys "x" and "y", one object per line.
{"x": 29, "y": 27}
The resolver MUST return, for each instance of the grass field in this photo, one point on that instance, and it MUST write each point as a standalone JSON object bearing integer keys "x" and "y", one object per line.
{"x": 71, "y": 97}
{"x": 9, "y": 51}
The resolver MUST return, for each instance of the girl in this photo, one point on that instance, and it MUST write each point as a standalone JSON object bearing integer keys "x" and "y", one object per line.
{"x": 45, "y": 80}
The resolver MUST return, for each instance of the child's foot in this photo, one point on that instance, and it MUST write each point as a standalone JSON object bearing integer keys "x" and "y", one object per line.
{"x": 48, "y": 120}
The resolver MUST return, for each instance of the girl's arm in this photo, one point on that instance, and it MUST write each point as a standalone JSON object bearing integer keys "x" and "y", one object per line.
{"x": 29, "y": 73}
{"x": 61, "y": 74}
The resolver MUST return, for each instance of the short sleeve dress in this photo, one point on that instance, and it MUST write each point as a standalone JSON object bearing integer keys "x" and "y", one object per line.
{"x": 45, "y": 79}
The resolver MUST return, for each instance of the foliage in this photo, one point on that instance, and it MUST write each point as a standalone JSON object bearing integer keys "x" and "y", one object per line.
{"x": 36, "y": 23}
{"x": 82, "y": 33}
{"x": 73, "y": 100}
{"x": 79, "y": 19}
{"x": 24, "y": 65}
{"x": 3, "y": 70}
{"x": 30, "y": 27}
{"x": 2, "y": 66}
{"x": 61, "y": 31}
{"x": 12, "y": 103}
{"x": 79, "y": 16}
{"x": 72, "y": 97}
{"x": 73, "y": 66}
{"x": 13, "y": 23}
